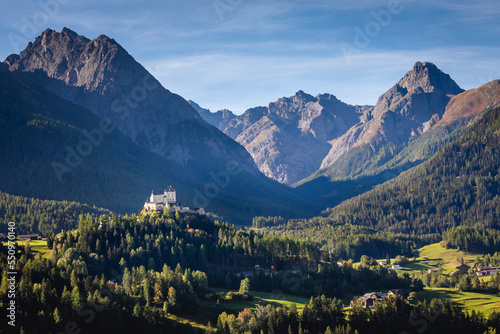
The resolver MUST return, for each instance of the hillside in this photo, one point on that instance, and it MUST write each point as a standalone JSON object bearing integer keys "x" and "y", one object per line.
{"x": 457, "y": 186}
{"x": 151, "y": 272}
{"x": 41, "y": 136}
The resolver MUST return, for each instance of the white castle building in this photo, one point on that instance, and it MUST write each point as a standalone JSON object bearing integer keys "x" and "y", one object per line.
{"x": 169, "y": 200}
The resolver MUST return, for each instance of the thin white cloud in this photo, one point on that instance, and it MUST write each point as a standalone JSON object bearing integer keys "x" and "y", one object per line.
{"x": 239, "y": 82}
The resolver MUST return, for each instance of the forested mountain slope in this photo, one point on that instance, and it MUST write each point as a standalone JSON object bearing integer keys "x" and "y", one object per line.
{"x": 32, "y": 215}
{"x": 460, "y": 185}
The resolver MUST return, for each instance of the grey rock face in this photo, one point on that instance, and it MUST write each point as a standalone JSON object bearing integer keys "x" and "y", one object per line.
{"x": 289, "y": 138}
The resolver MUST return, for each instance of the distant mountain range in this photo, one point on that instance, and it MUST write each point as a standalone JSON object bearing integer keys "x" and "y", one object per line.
{"x": 317, "y": 144}
{"x": 63, "y": 89}
{"x": 289, "y": 139}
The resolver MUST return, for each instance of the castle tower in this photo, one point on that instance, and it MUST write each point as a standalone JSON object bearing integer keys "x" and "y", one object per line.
{"x": 170, "y": 195}
{"x": 152, "y": 198}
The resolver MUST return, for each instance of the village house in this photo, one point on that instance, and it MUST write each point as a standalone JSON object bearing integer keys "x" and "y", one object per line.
{"x": 396, "y": 267}
{"x": 368, "y": 300}
{"x": 382, "y": 262}
{"x": 487, "y": 271}
{"x": 168, "y": 200}
{"x": 397, "y": 293}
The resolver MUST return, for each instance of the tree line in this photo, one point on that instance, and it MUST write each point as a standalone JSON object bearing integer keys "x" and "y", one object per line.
{"x": 324, "y": 315}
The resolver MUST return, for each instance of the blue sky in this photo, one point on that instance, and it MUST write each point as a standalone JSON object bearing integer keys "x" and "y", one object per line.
{"x": 238, "y": 54}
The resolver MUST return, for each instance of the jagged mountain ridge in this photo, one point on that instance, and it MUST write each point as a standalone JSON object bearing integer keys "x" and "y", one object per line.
{"x": 101, "y": 76}
{"x": 461, "y": 112}
{"x": 410, "y": 122}
{"x": 289, "y": 138}
{"x": 406, "y": 110}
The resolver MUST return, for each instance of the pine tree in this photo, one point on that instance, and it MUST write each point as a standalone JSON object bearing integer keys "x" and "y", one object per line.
{"x": 245, "y": 287}
{"x": 127, "y": 281}
{"x": 57, "y": 316}
{"x": 172, "y": 297}
{"x": 76, "y": 298}
{"x": 137, "y": 310}
{"x": 66, "y": 297}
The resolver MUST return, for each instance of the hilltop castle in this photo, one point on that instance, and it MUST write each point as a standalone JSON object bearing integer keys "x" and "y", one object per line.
{"x": 169, "y": 200}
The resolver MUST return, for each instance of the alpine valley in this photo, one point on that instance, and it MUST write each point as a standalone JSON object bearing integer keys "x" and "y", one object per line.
{"x": 308, "y": 215}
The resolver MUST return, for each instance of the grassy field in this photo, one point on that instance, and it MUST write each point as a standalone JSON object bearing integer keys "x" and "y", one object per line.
{"x": 438, "y": 258}
{"x": 469, "y": 301}
{"x": 190, "y": 320}
{"x": 39, "y": 247}
{"x": 263, "y": 298}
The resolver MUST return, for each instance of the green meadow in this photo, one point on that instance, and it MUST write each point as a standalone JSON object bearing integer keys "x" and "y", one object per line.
{"x": 445, "y": 260}
{"x": 469, "y": 301}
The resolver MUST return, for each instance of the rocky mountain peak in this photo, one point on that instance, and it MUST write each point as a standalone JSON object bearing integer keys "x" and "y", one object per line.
{"x": 327, "y": 97}
{"x": 303, "y": 96}
{"x": 424, "y": 78}
{"x": 289, "y": 138}
{"x": 407, "y": 109}
{"x": 219, "y": 119}
{"x": 429, "y": 78}
{"x": 291, "y": 107}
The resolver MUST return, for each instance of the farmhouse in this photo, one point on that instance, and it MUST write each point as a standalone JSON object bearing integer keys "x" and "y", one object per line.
{"x": 368, "y": 300}
{"x": 487, "y": 271}
{"x": 364, "y": 301}
{"x": 169, "y": 200}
